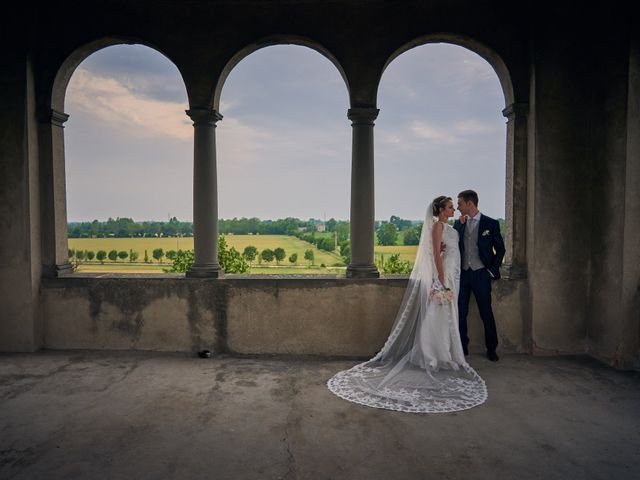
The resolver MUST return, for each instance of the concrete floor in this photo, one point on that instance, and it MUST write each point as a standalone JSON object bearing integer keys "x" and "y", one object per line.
{"x": 128, "y": 415}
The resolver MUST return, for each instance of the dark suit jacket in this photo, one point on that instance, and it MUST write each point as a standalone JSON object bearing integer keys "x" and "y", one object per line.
{"x": 490, "y": 243}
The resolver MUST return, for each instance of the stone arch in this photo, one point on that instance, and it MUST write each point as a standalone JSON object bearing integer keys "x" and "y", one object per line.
{"x": 516, "y": 114}
{"x": 268, "y": 42}
{"x": 491, "y": 56}
{"x": 69, "y": 65}
{"x": 53, "y": 197}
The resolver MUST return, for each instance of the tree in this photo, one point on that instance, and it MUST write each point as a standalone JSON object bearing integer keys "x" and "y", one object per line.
{"x": 280, "y": 254}
{"x": 309, "y": 256}
{"x": 267, "y": 255}
{"x": 399, "y": 222}
{"x": 250, "y": 252}
{"x": 158, "y": 253}
{"x": 122, "y": 254}
{"x": 387, "y": 234}
{"x": 395, "y": 265}
{"x": 327, "y": 244}
{"x": 345, "y": 251}
{"x": 146, "y": 257}
{"x": 133, "y": 255}
{"x": 90, "y": 254}
{"x": 101, "y": 255}
{"x": 182, "y": 262}
{"x": 113, "y": 255}
{"x": 171, "y": 254}
{"x": 411, "y": 236}
{"x": 230, "y": 259}
{"x": 293, "y": 258}
{"x": 72, "y": 253}
{"x": 80, "y": 254}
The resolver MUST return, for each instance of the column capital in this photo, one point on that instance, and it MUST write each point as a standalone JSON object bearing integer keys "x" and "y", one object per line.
{"x": 515, "y": 109}
{"x": 362, "y": 115}
{"x": 204, "y": 115}
{"x": 52, "y": 117}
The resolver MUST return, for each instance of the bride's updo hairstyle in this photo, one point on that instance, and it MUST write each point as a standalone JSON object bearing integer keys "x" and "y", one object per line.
{"x": 439, "y": 203}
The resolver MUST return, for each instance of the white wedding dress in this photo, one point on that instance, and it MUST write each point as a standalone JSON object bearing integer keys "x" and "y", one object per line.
{"x": 421, "y": 367}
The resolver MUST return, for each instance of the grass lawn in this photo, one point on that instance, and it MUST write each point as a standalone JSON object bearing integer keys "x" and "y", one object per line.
{"x": 407, "y": 252}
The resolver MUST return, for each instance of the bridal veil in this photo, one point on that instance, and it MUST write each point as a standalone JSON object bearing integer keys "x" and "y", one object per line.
{"x": 421, "y": 367}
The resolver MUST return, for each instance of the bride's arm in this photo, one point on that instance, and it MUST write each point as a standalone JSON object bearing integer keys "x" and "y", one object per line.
{"x": 436, "y": 236}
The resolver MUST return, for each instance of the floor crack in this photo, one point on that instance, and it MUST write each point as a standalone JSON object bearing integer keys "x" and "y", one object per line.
{"x": 291, "y": 418}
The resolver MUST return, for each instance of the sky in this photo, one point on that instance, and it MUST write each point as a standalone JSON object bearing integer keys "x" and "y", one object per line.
{"x": 284, "y": 144}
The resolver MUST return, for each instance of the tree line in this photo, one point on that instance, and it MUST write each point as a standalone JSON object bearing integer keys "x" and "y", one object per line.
{"x": 387, "y": 232}
{"x": 79, "y": 256}
{"x": 233, "y": 261}
{"x": 278, "y": 254}
{"x": 126, "y": 227}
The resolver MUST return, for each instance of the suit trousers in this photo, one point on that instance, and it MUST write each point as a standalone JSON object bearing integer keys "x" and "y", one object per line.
{"x": 478, "y": 282}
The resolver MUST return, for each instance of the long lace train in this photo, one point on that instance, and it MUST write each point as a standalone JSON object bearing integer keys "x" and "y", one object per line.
{"x": 421, "y": 367}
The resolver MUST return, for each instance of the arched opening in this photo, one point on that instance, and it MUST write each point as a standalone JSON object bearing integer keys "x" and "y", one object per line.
{"x": 125, "y": 158}
{"x": 284, "y": 153}
{"x": 441, "y": 130}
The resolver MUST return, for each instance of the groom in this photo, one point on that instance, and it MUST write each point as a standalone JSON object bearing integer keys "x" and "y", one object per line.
{"x": 481, "y": 253}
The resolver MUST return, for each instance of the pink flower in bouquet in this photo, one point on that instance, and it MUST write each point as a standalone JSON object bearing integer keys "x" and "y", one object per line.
{"x": 441, "y": 295}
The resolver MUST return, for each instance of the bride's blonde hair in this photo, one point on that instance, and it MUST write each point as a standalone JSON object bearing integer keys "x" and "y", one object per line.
{"x": 439, "y": 203}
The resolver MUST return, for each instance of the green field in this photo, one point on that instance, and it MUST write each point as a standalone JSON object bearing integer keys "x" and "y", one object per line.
{"x": 239, "y": 242}
{"x": 407, "y": 252}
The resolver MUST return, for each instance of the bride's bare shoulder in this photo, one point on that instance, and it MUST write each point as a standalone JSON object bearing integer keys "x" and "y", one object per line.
{"x": 437, "y": 227}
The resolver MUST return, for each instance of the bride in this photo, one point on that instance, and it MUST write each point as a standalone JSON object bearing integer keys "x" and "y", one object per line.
{"x": 421, "y": 367}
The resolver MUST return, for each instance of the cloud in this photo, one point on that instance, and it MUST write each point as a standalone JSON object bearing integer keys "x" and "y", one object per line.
{"x": 114, "y": 103}
{"x": 146, "y": 71}
{"x": 429, "y": 132}
{"x": 241, "y": 143}
{"x": 477, "y": 127}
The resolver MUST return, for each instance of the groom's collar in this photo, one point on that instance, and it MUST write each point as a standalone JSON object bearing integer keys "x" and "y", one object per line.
{"x": 477, "y": 216}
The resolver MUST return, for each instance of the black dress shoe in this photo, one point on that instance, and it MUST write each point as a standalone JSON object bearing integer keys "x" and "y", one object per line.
{"x": 493, "y": 356}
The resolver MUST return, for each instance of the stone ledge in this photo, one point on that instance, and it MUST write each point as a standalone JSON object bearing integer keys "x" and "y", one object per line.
{"x": 227, "y": 280}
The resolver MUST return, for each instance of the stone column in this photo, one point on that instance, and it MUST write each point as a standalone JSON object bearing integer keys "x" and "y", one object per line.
{"x": 516, "y": 185}
{"x": 53, "y": 204}
{"x": 205, "y": 194}
{"x": 362, "y": 194}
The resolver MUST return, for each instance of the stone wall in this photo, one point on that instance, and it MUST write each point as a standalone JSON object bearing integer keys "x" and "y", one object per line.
{"x": 292, "y": 316}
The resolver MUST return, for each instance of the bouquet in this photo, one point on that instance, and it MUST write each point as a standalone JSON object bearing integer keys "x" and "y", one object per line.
{"x": 440, "y": 294}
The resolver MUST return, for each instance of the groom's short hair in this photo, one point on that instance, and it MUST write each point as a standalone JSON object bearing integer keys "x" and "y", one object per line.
{"x": 469, "y": 195}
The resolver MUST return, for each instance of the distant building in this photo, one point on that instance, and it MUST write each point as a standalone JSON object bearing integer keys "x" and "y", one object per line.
{"x": 320, "y": 227}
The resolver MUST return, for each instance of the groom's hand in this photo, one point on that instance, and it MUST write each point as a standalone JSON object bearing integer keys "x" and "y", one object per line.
{"x": 463, "y": 219}
{"x": 443, "y": 247}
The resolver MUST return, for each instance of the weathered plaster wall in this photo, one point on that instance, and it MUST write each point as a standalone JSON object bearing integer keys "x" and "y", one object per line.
{"x": 631, "y": 251}
{"x": 615, "y": 265}
{"x": 20, "y": 266}
{"x": 559, "y": 251}
{"x": 310, "y": 316}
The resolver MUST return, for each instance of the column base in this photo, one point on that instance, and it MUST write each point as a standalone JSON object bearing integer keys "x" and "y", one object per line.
{"x": 53, "y": 271}
{"x": 362, "y": 271}
{"x": 205, "y": 271}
